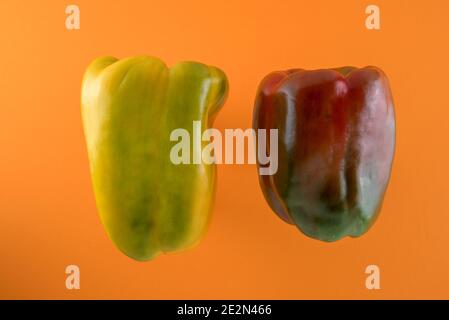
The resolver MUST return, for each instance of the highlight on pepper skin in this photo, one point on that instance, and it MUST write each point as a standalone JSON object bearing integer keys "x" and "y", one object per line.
{"x": 147, "y": 204}
{"x": 336, "y": 144}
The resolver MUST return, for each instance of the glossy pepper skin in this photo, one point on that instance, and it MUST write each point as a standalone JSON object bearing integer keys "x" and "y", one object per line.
{"x": 147, "y": 204}
{"x": 336, "y": 140}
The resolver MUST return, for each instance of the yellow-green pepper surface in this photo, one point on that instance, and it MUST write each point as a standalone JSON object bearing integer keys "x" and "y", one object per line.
{"x": 147, "y": 204}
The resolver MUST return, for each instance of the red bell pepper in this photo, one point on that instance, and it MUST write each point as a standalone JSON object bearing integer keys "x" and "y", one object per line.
{"x": 336, "y": 140}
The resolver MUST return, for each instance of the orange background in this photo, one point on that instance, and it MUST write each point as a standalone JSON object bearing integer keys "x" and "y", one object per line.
{"x": 48, "y": 218}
